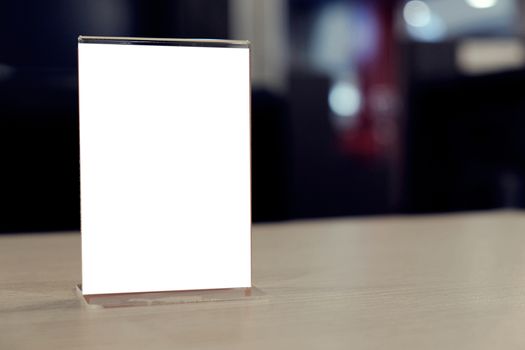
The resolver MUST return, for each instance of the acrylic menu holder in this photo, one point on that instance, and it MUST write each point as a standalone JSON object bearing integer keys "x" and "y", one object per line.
{"x": 165, "y": 171}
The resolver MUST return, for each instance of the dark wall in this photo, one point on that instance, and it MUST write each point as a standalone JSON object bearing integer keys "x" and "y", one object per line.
{"x": 466, "y": 135}
{"x": 39, "y": 168}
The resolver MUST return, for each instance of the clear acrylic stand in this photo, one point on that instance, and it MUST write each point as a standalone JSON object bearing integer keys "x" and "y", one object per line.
{"x": 169, "y": 297}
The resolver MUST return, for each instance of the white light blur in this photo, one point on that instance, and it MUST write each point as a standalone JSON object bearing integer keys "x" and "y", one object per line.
{"x": 344, "y": 99}
{"x": 482, "y": 4}
{"x": 434, "y": 31}
{"x": 331, "y": 47}
{"x": 417, "y": 13}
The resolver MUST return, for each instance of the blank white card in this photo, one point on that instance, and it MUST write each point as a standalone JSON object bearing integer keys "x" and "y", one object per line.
{"x": 165, "y": 165}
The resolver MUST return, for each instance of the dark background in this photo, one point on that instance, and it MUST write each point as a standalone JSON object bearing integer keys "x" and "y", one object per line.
{"x": 427, "y": 137}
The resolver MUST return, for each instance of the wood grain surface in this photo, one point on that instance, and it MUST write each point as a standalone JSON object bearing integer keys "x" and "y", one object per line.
{"x": 427, "y": 282}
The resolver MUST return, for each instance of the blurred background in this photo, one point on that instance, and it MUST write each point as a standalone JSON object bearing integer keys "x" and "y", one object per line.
{"x": 358, "y": 107}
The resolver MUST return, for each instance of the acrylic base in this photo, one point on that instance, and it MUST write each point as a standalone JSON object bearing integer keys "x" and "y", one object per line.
{"x": 169, "y": 297}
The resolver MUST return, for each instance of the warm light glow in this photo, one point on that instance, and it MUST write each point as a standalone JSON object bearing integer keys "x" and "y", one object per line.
{"x": 482, "y": 4}
{"x": 417, "y": 13}
{"x": 491, "y": 55}
{"x": 344, "y": 99}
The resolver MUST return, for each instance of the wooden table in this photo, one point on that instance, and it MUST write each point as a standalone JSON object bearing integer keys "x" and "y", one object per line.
{"x": 429, "y": 282}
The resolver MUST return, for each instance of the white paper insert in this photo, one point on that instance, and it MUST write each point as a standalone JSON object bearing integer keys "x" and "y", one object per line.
{"x": 165, "y": 167}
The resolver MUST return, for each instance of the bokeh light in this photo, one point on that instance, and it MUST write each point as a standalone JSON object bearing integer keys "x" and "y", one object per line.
{"x": 482, "y": 4}
{"x": 344, "y": 99}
